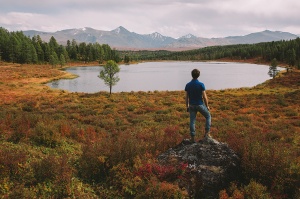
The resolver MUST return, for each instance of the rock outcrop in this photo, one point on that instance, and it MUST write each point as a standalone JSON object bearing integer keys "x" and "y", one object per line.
{"x": 212, "y": 165}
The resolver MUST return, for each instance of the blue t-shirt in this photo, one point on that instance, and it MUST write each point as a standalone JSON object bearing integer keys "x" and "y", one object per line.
{"x": 194, "y": 89}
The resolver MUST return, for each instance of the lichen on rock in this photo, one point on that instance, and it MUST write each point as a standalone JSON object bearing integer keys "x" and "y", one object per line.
{"x": 212, "y": 165}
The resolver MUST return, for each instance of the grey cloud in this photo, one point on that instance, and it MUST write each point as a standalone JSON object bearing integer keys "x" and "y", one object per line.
{"x": 206, "y": 18}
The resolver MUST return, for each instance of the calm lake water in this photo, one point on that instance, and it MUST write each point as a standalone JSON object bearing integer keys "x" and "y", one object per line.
{"x": 162, "y": 76}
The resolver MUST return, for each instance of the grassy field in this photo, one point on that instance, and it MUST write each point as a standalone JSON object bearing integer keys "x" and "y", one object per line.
{"x": 57, "y": 144}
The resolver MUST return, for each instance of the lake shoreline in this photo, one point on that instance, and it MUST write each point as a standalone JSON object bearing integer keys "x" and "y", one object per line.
{"x": 135, "y": 78}
{"x": 250, "y": 61}
{"x": 75, "y": 64}
{"x": 61, "y": 74}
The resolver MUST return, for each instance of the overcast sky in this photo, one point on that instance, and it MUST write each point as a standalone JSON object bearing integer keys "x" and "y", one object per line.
{"x": 174, "y": 18}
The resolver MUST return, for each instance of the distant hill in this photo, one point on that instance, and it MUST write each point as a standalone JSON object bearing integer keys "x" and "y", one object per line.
{"x": 121, "y": 38}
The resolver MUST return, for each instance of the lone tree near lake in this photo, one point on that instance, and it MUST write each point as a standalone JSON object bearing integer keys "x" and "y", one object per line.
{"x": 273, "y": 68}
{"x": 108, "y": 74}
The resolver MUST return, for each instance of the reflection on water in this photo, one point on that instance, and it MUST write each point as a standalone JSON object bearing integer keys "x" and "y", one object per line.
{"x": 162, "y": 76}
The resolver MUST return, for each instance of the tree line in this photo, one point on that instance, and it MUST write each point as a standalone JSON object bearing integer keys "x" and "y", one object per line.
{"x": 283, "y": 51}
{"x": 16, "y": 47}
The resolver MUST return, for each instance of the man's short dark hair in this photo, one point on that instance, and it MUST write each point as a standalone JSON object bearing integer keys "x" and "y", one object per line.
{"x": 195, "y": 73}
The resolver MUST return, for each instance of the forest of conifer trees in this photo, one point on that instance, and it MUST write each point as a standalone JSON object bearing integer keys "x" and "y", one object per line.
{"x": 15, "y": 47}
{"x": 287, "y": 52}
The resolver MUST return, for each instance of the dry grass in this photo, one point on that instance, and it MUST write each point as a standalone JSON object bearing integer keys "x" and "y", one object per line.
{"x": 260, "y": 123}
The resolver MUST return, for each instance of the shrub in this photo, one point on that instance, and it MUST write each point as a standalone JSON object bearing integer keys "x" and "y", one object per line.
{"x": 44, "y": 135}
{"x": 168, "y": 173}
{"x": 12, "y": 158}
{"x": 162, "y": 190}
{"x": 125, "y": 146}
{"x": 54, "y": 175}
{"x": 21, "y": 191}
{"x": 125, "y": 181}
{"x": 269, "y": 164}
{"x": 46, "y": 169}
{"x": 131, "y": 107}
{"x": 81, "y": 190}
{"x": 256, "y": 190}
{"x": 93, "y": 165}
{"x": 253, "y": 190}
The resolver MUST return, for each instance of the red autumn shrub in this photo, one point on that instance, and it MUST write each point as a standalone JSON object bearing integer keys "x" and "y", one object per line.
{"x": 168, "y": 173}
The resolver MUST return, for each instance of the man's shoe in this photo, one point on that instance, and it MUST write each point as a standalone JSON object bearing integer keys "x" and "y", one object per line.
{"x": 193, "y": 139}
{"x": 207, "y": 136}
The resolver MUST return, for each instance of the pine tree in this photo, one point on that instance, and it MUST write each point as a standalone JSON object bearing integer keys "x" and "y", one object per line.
{"x": 4, "y": 44}
{"x": 54, "y": 45}
{"x": 34, "y": 57}
{"x": 126, "y": 59}
{"x": 73, "y": 51}
{"x": 273, "y": 68}
{"x": 53, "y": 59}
{"x": 14, "y": 49}
{"x": 62, "y": 60}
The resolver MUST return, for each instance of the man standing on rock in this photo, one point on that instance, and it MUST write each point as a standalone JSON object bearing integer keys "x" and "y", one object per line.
{"x": 197, "y": 101}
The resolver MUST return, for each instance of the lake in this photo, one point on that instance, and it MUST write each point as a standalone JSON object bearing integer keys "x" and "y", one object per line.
{"x": 162, "y": 76}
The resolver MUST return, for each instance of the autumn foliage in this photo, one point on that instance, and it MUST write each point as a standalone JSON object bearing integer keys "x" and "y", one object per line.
{"x": 56, "y": 144}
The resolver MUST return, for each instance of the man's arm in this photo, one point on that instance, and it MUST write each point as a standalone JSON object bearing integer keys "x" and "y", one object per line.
{"x": 205, "y": 99}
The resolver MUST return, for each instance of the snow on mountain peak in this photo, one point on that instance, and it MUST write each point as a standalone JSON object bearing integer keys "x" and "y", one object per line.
{"x": 156, "y": 35}
{"x": 120, "y": 29}
{"x": 188, "y": 36}
{"x": 117, "y": 30}
{"x": 76, "y": 31}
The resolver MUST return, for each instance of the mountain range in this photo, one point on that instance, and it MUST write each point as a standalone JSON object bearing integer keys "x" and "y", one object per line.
{"x": 122, "y": 39}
